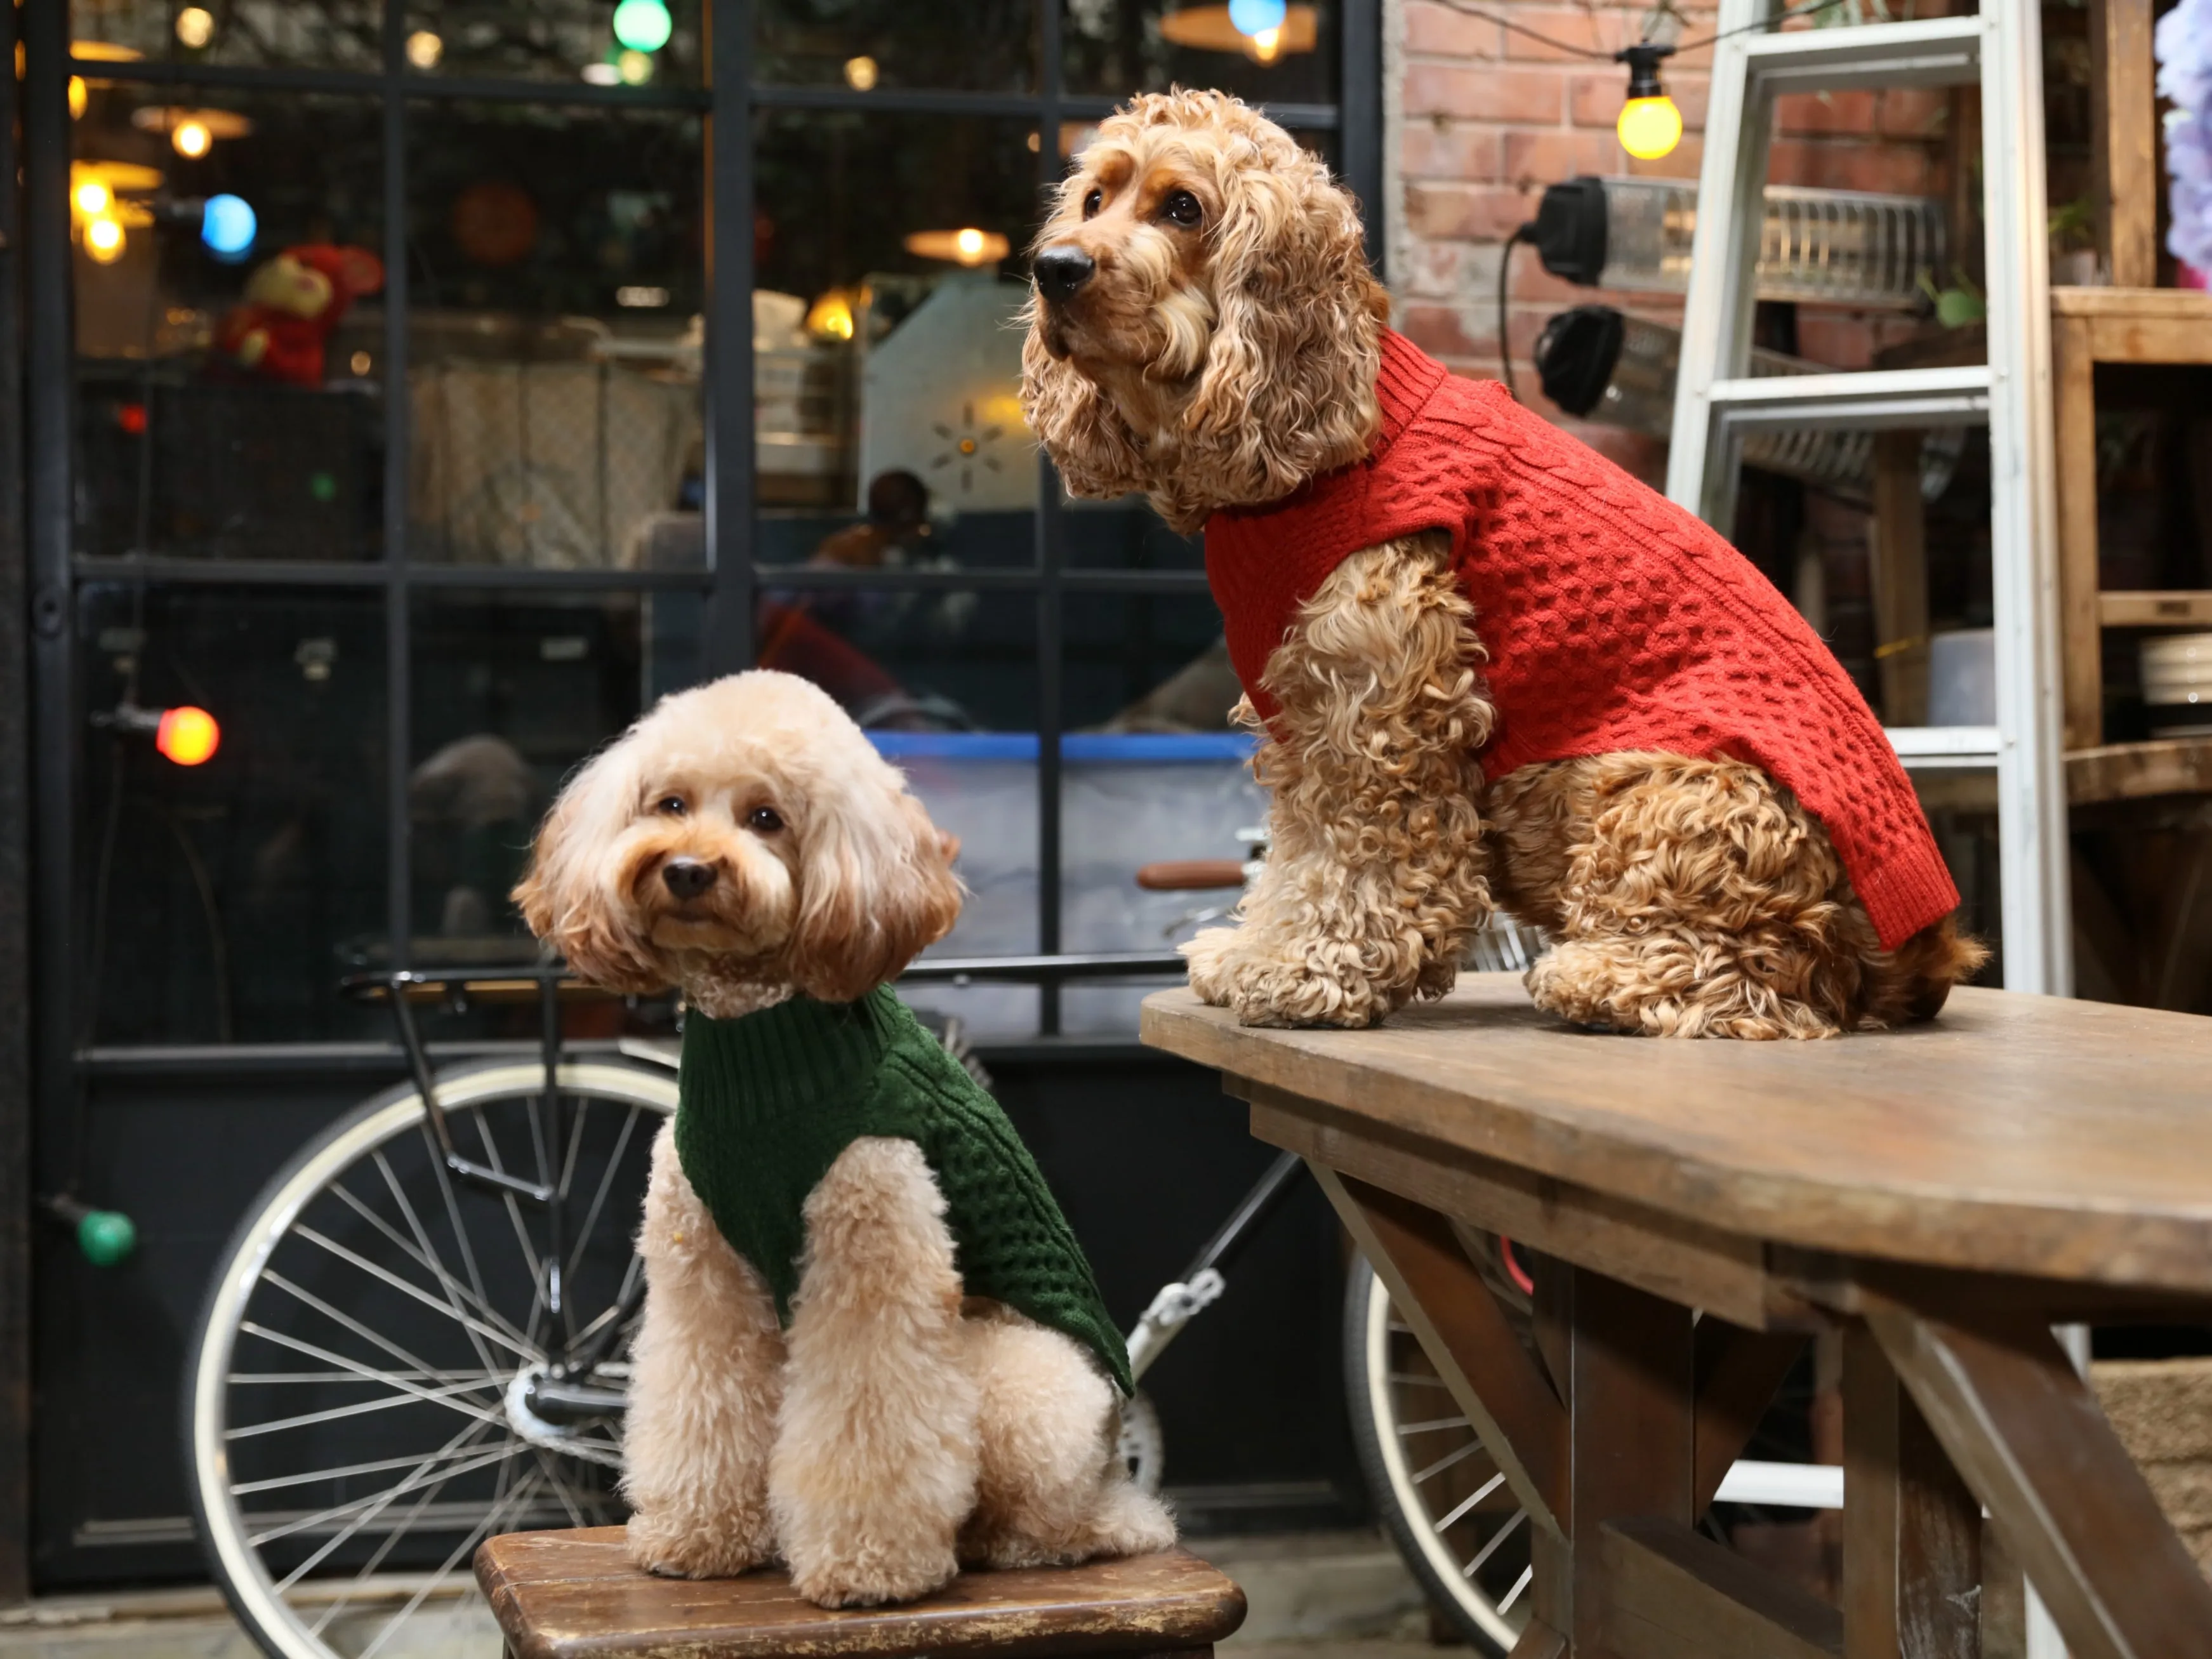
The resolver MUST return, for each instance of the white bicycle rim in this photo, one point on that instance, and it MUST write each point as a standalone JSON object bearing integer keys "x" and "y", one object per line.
{"x": 272, "y": 1619}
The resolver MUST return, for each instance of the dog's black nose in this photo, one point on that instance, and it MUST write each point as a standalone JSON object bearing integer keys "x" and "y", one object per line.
{"x": 687, "y": 878}
{"x": 1061, "y": 271}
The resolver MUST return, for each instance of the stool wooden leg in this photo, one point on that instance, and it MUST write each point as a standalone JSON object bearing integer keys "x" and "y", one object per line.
{"x": 1911, "y": 1529}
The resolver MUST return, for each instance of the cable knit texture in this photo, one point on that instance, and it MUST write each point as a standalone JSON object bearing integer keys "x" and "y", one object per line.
{"x": 1612, "y": 618}
{"x": 767, "y": 1101}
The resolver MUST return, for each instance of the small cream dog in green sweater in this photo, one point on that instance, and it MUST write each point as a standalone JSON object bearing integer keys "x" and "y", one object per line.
{"x": 871, "y": 1347}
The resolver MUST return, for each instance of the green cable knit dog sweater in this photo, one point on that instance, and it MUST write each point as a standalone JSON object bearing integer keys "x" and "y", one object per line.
{"x": 767, "y": 1101}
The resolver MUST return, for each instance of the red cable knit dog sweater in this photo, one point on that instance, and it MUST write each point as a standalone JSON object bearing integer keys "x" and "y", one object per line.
{"x": 1612, "y": 618}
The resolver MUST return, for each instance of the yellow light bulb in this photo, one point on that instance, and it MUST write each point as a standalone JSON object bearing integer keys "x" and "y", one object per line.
{"x": 1649, "y": 127}
{"x": 79, "y": 96}
{"x": 191, "y": 139}
{"x": 424, "y": 49}
{"x": 969, "y": 244}
{"x": 92, "y": 197}
{"x": 1266, "y": 45}
{"x": 103, "y": 239}
{"x": 195, "y": 27}
{"x": 861, "y": 74}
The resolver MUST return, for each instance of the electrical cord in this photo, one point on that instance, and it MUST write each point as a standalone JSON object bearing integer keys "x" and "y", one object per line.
{"x": 1526, "y": 233}
{"x": 1596, "y": 56}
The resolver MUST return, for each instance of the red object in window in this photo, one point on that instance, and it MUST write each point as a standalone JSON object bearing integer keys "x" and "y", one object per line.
{"x": 131, "y": 417}
{"x": 188, "y": 736}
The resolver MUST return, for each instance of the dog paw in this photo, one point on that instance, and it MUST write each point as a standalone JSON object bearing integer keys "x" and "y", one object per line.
{"x": 1270, "y": 990}
{"x": 874, "y": 1582}
{"x": 722, "y": 1547}
{"x": 1209, "y": 955}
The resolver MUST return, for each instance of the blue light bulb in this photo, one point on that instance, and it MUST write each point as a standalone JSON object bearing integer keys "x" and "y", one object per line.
{"x": 1256, "y": 18}
{"x": 228, "y": 226}
{"x": 643, "y": 25}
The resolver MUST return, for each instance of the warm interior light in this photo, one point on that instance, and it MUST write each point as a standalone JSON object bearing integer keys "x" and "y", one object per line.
{"x": 103, "y": 239}
{"x": 191, "y": 139}
{"x": 831, "y": 317}
{"x": 861, "y": 74}
{"x": 79, "y": 98}
{"x": 635, "y": 67}
{"x": 195, "y": 27}
{"x": 1293, "y": 28}
{"x": 966, "y": 247}
{"x": 1649, "y": 125}
{"x": 188, "y": 736}
{"x": 424, "y": 49}
{"x": 94, "y": 196}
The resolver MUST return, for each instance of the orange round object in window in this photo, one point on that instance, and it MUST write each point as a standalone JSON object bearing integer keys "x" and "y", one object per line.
{"x": 187, "y": 735}
{"x": 494, "y": 223}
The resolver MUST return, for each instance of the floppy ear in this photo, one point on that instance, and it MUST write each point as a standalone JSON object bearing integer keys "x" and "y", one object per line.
{"x": 567, "y": 895}
{"x": 1088, "y": 440}
{"x": 1288, "y": 387}
{"x": 875, "y": 888}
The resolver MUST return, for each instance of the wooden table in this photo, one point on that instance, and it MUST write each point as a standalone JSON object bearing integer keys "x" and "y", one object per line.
{"x": 1942, "y": 1194}
{"x": 574, "y": 1594}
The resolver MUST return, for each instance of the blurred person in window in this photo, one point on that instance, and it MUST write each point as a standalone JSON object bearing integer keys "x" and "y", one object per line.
{"x": 473, "y": 806}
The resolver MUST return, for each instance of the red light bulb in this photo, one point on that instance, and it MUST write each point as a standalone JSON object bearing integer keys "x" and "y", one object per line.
{"x": 188, "y": 736}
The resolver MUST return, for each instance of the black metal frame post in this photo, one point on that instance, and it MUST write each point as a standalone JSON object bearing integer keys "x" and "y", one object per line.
{"x": 730, "y": 630}
{"x": 398, "y": 618}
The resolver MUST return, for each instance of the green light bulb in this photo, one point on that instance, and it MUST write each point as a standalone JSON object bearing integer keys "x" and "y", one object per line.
{"x": 643, "y": 25}
{"x": 106, "y": 1237}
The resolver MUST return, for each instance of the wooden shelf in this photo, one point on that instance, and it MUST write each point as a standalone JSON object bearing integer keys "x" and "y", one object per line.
{"x": 2183, "y": 609}
{"x": 2109, "y": 772}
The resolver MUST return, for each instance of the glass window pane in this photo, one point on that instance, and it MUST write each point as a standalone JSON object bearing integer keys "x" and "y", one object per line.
{"x": 1116, "y": 47}
{"x": 959, "y": 661}
{"x": 324, "y": 34}
{"x": 510, "y": 694}
{"x": 229, "y": 403}
{"x": 223, "y": 900}
{"x": 1123, "y": 535}
{"x": 636, "y": 42}
{"x": 887, "y": 348}
{"x": 554, "y": 391}
{"x": 891, "y": 43}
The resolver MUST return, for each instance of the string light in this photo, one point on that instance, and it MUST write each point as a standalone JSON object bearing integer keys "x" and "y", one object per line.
{"x": 94, "y": 196}
{"x": 643, "y": 25}
{"x": 1254, "y": 18}
{"x": 860, "y": 74}
{"x": 188, "y": 736}
{"x": 424, "y": 49}
{"x": 191, "y": 139}
{"x": 1650, "y": 124}
{"x": 195, "y": 27}
{"x": 103, "y": 238}
{"x": 228, "y": 226}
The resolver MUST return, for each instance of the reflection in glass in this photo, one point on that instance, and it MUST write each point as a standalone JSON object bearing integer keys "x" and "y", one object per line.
{"x": 1114, "y": 47}
{"x": 223, "y": 900}
{"x": 1124, "y": 534}
{"x": 1146, "y": 663}
{"x": 642, "y": 43}
{"x": 555, "y": 335}
{"x": 864, "y": 44}
{"x": 225, "y": 405}
{"x": 509, "y": 694}
{"x": 324, "y": 33}
{"x": 959, "y": 661}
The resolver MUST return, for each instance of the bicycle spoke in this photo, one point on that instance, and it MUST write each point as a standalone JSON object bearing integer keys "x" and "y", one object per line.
{"x": 423, "y": 1254}
{"x": 1432, "y": 1425}
{"x": 482, "y": 1460}
{"x": 460, "y": 1445}
{"x": 467, "y": 1547}
{"x": 407, "y": 1391}
{"x": 346, "y": 1320}
{"x": 421, "y": 1295}
{"x": 1491, "y": 1548}
{"x": 453, "y": 1215}
{"x": 1519, "y": 1584}
{"x": 346, "y": 1471}
{"x": 1448, "y": 1460}
{"x": 1413, "y": 1380}
{"x": 606, "y": 1184}
{"x": 494, "y": 1379}
{"x": 521, "y": 1229}
{"x": 1468, "y": 1502}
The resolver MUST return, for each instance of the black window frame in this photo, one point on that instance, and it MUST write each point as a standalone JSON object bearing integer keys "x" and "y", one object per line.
{"x": 728, "y": 97}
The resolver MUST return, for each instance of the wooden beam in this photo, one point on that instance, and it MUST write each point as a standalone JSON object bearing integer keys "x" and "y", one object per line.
{"x": 2124, "y": 608}
{"x": 1630, "y": 1403}
{"x": 1737, "y": 1373}
{"x": 2124, "y": 141}
{"x": 2024, "y": 1429}
{"x": 1911, "y": 1529}
{"x": 1539, "y": 1641}
{"x": 1900, "y": 579}
{"x": 1465, "y": 1334}
{"x": 2073, "y": 375}
{"x": 1664, "y": 1255}
{"x": 1672, "y": 1594}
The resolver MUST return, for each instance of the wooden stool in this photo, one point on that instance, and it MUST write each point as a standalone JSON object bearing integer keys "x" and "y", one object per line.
{"x": 574, "y": 1594}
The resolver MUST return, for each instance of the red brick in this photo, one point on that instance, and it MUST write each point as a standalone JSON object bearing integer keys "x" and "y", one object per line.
{"x": 1439, "y": 270}
{"x": 1580, "y": 32}
{"x": 1467, "y": 212}
{"x": 1546, "y": 158}
{"x": 1481, "y": 93}
{"x": 1914, "y": 112}
{"x": 1838, "y": 339}
{"x": 1849, "y": 110}
{"x": 1595, "y": 100}
{"x": 1531, "y": 282}
{"x": 1444, "y": 32}
{"x": 1438, "y": 149}
{"x": 1442, "y": 331}
{"x": 1905, "y": 169}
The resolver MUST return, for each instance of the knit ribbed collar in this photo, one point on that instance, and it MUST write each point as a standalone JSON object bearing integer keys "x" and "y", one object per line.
{"x": 798, "y": 1054}
{"x": 1406, "y": 378}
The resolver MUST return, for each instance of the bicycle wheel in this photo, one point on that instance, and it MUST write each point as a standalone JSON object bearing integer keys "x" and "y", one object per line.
{"x": 393, "y": 1364}
{"x": 1440, "y": 1495}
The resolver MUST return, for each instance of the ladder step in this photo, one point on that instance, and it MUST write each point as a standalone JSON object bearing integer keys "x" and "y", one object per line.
{"x": 1935, "y": 51}
{"x": 1944, "y": 748}
{"x": 1869, "y": 402}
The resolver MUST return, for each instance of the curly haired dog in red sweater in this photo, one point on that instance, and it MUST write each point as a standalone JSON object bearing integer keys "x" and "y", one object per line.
{"x": 1489, "y": 668}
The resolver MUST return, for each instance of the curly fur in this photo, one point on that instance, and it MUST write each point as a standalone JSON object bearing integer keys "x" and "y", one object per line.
{"x": 1209, "y": 366}
{"x": 1686, "y": 898}
{"x": 895, "y": 1430}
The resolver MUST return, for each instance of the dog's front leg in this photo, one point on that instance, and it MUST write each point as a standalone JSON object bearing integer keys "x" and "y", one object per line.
{"x": 1374, "y": 877}
{"x": 705, "y": 1380}
{"x": 875, "y": 1462}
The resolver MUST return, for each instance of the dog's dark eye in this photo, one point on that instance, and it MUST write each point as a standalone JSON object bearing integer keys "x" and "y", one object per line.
{"x": 1093, "y": 202}
{"x": 1181, "y": 208}
{"x": 765, "y": 819}
{"x": 674, "y": 806}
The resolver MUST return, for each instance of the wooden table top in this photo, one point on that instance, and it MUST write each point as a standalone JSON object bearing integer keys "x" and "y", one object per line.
{"x": 2016, "y": 1134}
{"x": 574, "y": 1594}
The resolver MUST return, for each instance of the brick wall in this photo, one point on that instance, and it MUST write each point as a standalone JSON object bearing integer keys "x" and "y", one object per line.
{"x": 1482, "y": 119}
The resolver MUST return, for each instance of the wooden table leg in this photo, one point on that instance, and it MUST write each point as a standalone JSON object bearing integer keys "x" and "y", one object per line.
{"x": 1911, "y": 1529}
{"x": 2022, "y": 1427}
